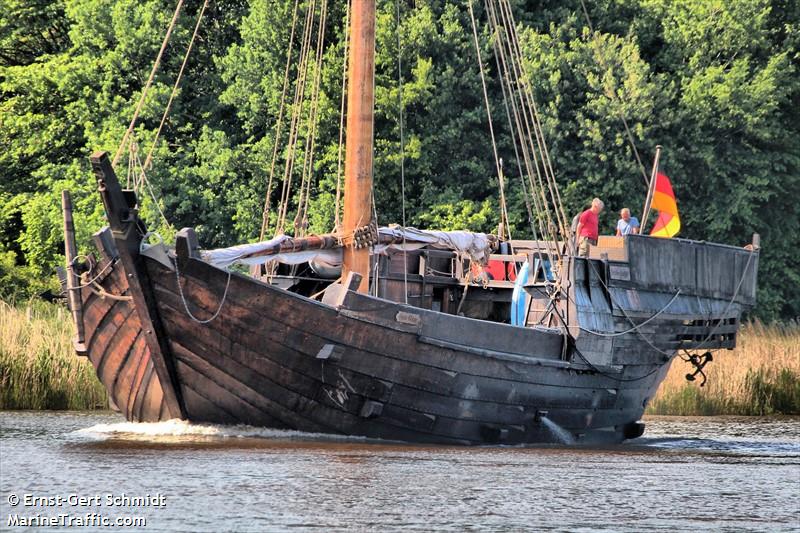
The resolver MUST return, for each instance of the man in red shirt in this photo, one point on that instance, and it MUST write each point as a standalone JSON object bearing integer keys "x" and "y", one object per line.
{"x": 588, "y": 224}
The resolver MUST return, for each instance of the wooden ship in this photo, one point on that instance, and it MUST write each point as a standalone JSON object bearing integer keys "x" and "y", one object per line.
{"x": 404, "y": 343}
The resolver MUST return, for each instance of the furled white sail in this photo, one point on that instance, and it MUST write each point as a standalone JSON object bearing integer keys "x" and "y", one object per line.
{"x": 476, "y": 246}
{"x": 253, "y": 254}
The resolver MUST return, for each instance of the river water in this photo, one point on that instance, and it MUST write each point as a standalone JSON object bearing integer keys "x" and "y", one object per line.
{"x": 89, "y": 469}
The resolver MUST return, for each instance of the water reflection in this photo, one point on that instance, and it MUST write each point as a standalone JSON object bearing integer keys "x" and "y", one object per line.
{"x": 685, "y": 474}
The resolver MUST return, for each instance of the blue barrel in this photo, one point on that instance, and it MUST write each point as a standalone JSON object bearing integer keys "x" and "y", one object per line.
{"x": 519, "y": 298}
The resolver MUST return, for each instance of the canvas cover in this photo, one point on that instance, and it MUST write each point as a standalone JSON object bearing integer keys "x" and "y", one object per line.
{"x": 476, "y": 246}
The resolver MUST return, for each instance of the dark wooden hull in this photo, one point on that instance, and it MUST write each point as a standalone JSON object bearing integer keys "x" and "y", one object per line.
{"x": 427, "y": 378}
{"x": 364, "y": 366}
{"x": 116, "y": 347}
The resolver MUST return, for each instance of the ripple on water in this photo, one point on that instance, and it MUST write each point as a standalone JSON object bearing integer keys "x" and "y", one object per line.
{"x": 687, "y": 474}
{"x": 748, "y": 436}
{"x": 735, "y": 435}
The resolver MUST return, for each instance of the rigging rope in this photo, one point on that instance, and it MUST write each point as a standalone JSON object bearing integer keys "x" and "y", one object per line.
{"x": 514, "y": 86}
{"x": 148, "y": 84}
{"x": 500, "y": 180}
{"x": 294, "y": 130}
{"x": 514, "y": 142}
{"x": 131, "y": 165}
{"x": 301, "y": 220}
{"x": 149, "y": 159}
{"x": 146, "y": 182}
{"x": 278, "y": 124}
{"x": 515, "y": 126}
{"x": 336, "y": 209}
{"x": 614, "y": 96}
{"x": 531, "y": 109}
{"x": 402, "y": 148}
{"x": 134, "y": 161}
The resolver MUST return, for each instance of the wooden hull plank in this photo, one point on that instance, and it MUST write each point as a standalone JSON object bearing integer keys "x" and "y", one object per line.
{"x": 255, "y": 359}
{"x": 366, "y": 338}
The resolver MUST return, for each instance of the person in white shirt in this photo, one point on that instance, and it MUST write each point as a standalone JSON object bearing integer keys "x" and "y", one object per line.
{"x": 627, "y": 225}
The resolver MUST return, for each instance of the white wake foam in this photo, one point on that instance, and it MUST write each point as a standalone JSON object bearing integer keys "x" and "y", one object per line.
{"x": 190, "y": 431}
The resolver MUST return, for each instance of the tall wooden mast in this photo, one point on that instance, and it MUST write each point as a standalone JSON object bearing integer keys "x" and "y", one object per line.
{"x": 358, "y": 156}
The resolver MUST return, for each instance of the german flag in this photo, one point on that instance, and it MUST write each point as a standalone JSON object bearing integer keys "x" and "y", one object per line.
{"x": 668, "y": 223}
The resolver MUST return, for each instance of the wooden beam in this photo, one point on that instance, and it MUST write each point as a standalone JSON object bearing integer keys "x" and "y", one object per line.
{"x": 126, "y": 228}
{"x": 360, "y": 124}
{"x": 73, "y": 289}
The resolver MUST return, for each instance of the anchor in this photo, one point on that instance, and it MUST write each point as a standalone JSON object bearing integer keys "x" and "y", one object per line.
{"x": 699, "y": 362}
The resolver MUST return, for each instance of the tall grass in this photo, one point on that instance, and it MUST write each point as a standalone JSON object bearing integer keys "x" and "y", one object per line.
{"x": 761, "y": 376}
{"x": 38, "y": 366}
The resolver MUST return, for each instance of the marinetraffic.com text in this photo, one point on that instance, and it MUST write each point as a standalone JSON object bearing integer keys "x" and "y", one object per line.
{"x": 78, "y": 510}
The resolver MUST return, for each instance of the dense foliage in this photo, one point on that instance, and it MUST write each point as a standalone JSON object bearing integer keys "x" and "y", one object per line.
{"x": 715, "y": 82}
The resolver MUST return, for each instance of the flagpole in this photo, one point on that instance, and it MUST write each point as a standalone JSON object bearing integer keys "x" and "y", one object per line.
{"x": 650, "y": 188}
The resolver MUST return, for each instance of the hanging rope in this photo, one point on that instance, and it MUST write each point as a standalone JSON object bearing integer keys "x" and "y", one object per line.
{"x": 533, "y": 111}
{"x": 186, "y": 305}
{"x": 337, "y": 205}
{"x": 614, "y": 96}
{"x": 500, "y": 180}
{"x": 149, "y": 159}
{"x": 301, "y": 220}
{"x": 294, "y": 131}
{"x": 513, "y": 80}
{"x": 149, "y": 83}
{"x": 98, "y": 289}
{"x": 401, "y": 110}
{"x": 635, "y": 327}
{"x": 612, "y": 376}
{"x": 732, "y": 300}
{"x": 278, "y": 124}
{"x": 143, "y": 181}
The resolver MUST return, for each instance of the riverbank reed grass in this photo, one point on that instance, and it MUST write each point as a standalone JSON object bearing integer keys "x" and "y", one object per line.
{"x": 39, "y": 368}
{"x": 761, "y": 376}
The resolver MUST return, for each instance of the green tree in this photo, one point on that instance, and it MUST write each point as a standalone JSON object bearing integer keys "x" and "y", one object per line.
{"x": 716, "y": 83}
